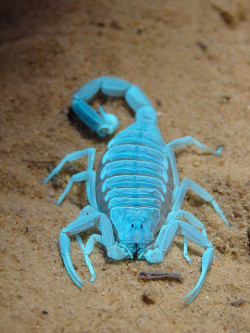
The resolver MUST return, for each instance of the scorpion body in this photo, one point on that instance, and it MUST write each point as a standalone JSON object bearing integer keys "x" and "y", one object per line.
{"x": 134, "y": 180}
{"x": 135, "y": 197}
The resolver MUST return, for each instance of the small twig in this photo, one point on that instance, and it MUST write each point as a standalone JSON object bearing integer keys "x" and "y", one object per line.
{"x": 158, "y": 275}
{"x": 238, "y": 303}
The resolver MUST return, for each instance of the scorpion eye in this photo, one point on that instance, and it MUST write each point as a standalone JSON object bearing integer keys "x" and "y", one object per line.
{"x": 132, "y": 225}
{"x": 141, "y": 226}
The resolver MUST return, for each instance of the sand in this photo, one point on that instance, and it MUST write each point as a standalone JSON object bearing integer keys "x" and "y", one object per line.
{"x": 192, "y": 60}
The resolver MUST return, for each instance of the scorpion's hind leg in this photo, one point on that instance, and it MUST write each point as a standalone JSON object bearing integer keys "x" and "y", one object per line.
{"x": 88, "y": 175}
{"x": 164, "y": 241}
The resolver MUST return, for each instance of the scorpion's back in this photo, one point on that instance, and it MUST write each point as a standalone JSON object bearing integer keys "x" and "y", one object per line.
{"x": 134, "y": 175}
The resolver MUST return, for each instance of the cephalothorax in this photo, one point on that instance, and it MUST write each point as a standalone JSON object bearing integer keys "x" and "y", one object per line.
{"x": 135, "y": 198}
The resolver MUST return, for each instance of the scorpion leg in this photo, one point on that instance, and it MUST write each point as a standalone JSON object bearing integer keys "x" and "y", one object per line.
{"x": 82, "y": 223}
{"x": 186, "y": 183}
{"x": 164, "y": 241}
{"x": 88, "y": 175}
{"x": 87, "y": 251}
{"x": 90, "y": 152}
{"x": 189, "y": 139}
{"x": 192, "y": 220}
{"x": 189, "y": 217}
{"x": 89, "y": 218}
{"x": 179, "y": 143}
{"x": 171, "y": 156}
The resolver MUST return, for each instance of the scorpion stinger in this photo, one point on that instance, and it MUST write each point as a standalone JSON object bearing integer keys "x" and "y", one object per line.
{"x": 135, "y": 197}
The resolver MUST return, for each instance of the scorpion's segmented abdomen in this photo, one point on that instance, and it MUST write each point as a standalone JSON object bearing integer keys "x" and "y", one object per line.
{"x": 134, "y": 172}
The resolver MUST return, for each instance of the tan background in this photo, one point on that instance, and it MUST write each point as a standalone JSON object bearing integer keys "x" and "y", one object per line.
{"x": 192, "y": 59}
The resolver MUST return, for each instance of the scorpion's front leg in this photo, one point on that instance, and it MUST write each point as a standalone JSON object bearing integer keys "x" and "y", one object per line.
{"x": 164, "y": 241}
{"x": 86, "y": 220}
{"x": 89, "y": 218}
{"x": 173, "y": 216}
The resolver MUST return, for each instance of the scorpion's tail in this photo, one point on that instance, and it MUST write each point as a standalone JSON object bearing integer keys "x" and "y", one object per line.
{"x": 105, "y": 123}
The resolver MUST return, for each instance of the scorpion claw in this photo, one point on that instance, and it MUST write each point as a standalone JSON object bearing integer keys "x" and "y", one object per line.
{"x": 154, "y": 256}
{"x": 64, "y": 243}
{"x": 206, "y": 263}
{"x": 118, "y": 252}
{"x": 72, "y": 273}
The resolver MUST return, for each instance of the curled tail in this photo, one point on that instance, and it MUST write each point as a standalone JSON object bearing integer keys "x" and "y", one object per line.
{"x": 104, "y": 123}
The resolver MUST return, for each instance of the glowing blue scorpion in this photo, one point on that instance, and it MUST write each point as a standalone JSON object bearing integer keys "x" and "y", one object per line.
{"x": 135, "y": 198}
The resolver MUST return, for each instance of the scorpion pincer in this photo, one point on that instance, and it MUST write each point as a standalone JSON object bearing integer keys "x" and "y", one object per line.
{"x": 135, "y": 198}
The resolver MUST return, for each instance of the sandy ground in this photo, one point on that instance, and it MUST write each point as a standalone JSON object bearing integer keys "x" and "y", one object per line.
{"x": 192, "y": 60}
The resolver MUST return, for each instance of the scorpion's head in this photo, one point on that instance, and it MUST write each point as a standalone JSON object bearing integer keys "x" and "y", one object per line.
{"x": 134, "y": 227}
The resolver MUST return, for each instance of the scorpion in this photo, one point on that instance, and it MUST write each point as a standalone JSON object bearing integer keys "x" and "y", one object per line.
{"x": 135, "y": 197}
